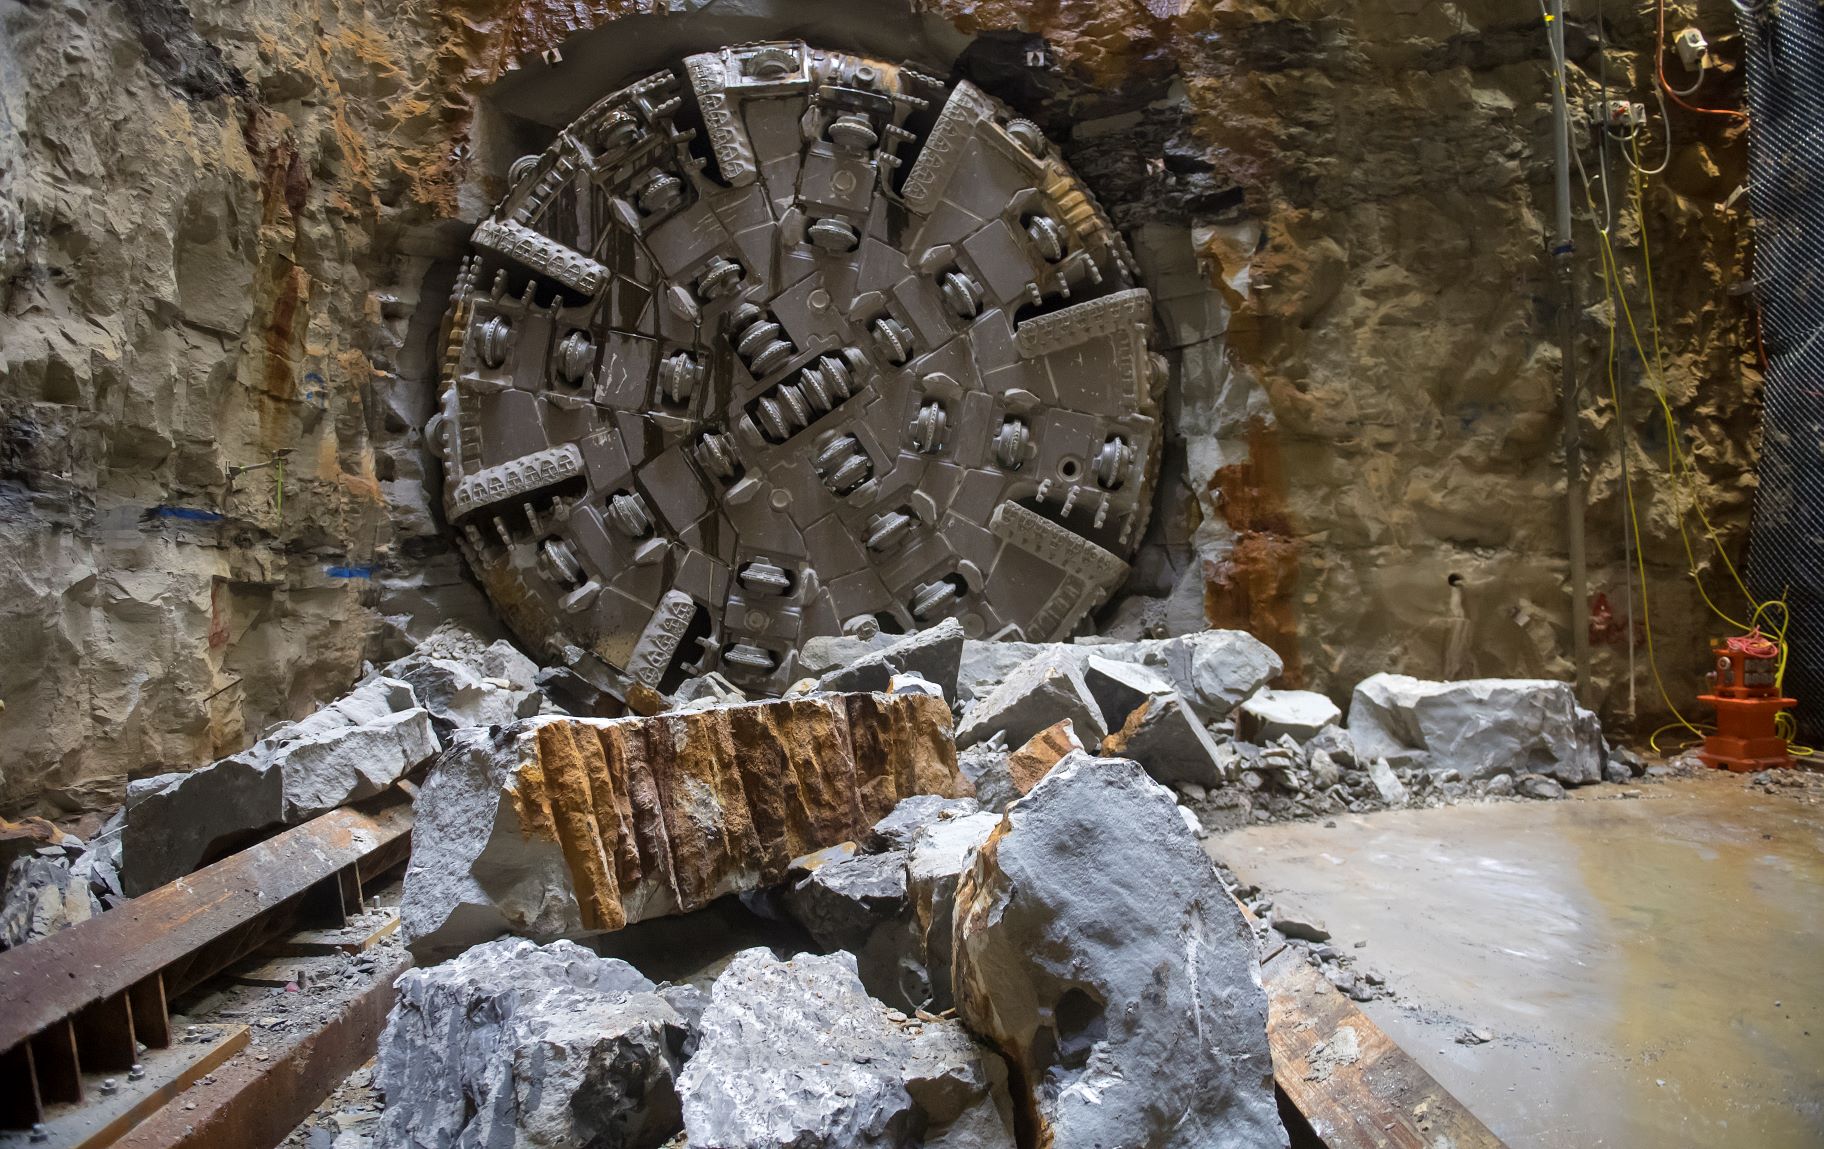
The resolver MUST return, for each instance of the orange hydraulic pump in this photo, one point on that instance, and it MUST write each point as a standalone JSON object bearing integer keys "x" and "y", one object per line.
{"x": 1747, "y": 700}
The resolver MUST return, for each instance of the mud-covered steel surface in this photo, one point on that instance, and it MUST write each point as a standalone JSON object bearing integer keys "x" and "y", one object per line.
{"x": 786, "y": 342}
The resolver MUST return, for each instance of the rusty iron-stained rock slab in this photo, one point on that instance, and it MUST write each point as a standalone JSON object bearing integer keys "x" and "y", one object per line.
{"x": 563, "y": 827}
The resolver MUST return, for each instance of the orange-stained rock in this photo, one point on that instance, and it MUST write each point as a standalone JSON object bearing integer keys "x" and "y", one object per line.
{"x": 560, "y": 827}
{"x": 1034, "y": 760}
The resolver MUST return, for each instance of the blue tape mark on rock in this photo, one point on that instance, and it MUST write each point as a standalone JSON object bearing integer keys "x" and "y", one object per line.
{"x": 350, "y": 572}
{"x": 189, "y": 514}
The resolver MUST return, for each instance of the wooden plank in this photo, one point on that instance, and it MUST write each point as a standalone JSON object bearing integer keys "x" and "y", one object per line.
{"x": 1351, "y": 1083}
{"x": 55, "y": 977}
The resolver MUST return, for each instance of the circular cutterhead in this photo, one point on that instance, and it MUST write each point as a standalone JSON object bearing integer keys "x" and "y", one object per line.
{"x": 780, "y": 340}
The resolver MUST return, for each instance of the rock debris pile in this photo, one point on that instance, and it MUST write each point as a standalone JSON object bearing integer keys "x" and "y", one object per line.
{"x": 1020, "y": 942}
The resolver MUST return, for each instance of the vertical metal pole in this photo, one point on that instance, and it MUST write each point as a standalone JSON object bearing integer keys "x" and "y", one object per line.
{"x": 1562, "y": 249}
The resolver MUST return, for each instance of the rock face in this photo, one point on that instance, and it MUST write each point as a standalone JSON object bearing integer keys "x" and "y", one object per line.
{"x": 1096, "y": 948}
{"x": 557, "y": 827}
{"x": 351, "y": 749}
{"x": 514, "y": 1044}
{"x": 795, "y": 1055}
{"x": 1480, "y": 727}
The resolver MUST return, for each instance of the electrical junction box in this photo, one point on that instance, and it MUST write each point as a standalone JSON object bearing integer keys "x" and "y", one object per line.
{"x": 1692, "y": 48}
{"x": 1624, "y": 115}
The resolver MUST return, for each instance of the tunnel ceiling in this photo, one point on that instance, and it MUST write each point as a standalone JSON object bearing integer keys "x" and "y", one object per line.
{"x": 784, "y": 343}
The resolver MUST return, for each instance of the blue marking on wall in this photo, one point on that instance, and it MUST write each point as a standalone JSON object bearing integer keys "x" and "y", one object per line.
{"x": 189, "y": 514}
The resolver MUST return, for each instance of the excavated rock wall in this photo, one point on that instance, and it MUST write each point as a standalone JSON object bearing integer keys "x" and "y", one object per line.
{"x": 218, "y": 223}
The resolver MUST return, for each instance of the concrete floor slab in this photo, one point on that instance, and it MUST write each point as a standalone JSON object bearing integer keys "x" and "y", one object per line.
{"x": 1651, "y": 968}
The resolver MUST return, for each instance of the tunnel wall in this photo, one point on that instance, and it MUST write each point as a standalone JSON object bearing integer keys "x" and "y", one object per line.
{"x": 218, "y": 224}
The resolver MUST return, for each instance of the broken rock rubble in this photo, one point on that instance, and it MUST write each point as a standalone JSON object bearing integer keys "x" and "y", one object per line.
{"x": 796, "y": 1054}
{"x": 464, "y": 682}
{"x": 1214, "y": 670}
{"x": 1096, "y": 949}
{"x": 933, "y": 654}
{"x": 561, "y": 827}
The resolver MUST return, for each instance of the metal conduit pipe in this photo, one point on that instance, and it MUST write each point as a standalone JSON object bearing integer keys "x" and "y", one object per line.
{"x": 1562, "y": 250}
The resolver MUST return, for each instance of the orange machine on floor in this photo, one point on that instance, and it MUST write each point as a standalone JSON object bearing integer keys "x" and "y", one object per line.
{"x": 1745, "y": 691}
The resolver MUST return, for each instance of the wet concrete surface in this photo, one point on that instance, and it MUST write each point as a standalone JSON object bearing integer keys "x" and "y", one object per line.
{"x": 1651, "y": 967}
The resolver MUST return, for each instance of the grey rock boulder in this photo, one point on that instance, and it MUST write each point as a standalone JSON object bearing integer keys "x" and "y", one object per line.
{"x": 465, "y": 682}
{"x": 1334, "y": 741}
{"x": 1301, "y": 714}
{"x": 1165, "y": 736}
{"x": 705, "y": 691}
{"x": 1036, "y": 694}
{"x": 986, "y": 664}
{"x": 175, "y": 821}
{"x": 1120, "y": 688}
{"x": 940, "y": 856}
{"x": 535, "y": 1047}
{"x": 1478, "y": 727}
{"x": 898, "y": 830}
{"x": 1213, "y": 670}
{"x": 1386, "y": 783}
{"x": 985, "y": 764}
{"x": 842, "y": 902}
{"x": 795, "y": 1055}
{"x": 1097, "y": 950}
{"x": 1538, "y": 786}
{"x": 351, "y": 749}
{"x": 827, "y": 652}
{"x": 933, "y": 654}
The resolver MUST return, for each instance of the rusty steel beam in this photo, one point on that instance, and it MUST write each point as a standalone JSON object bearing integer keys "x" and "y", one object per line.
{"x": 82, "y": 996}
{"x": 253, "y": 1105}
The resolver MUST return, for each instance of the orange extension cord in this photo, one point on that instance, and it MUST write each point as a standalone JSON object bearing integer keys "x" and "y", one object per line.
{"x": 1659, "y": 65}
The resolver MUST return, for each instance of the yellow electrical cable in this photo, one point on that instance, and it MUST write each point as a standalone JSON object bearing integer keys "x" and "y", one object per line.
{"x": 1681, "y": 472}
{"x": 1611, "y": 283}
